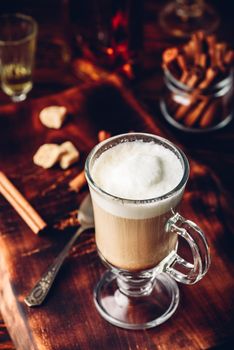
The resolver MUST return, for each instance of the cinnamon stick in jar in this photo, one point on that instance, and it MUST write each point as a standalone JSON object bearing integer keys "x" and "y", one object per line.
{"x": 211, "y": 41}
{"x": 194, "y": 115}
{"x": 220, "y": 54}
{"x": 169, "y": 56}
{"x": 202, "y": 61}
{"x": 229, "y": 58}
{"x": 192, "y": 80}
{"x": 211, "y": 74}
{"x": 198, "y": 39}
{"x": 209, "y": 115}
{"x": 199, "y": 65}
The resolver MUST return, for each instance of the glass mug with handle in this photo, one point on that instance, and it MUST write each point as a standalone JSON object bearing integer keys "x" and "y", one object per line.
{"x": 137, "y": 233}
{"x": 18, "y": 34}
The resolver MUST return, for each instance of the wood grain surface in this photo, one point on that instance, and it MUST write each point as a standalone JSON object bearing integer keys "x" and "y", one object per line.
{"x": 68, "y": 317}
{"x": 68, "y": 320}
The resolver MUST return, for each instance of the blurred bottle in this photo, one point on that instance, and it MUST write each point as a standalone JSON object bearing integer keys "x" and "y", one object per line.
{"x": 109, "y": 32}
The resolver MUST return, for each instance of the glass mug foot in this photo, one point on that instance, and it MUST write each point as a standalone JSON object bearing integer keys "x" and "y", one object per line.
{"x": 131, "y": 312}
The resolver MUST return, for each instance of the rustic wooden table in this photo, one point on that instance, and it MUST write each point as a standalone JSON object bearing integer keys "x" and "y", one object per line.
{"x": 205, "y": 317}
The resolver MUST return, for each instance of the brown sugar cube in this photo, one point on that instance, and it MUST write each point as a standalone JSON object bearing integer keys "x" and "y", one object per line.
{"x": 47, "y": 155}
{"x": 69, "y": 154}
{"x": 53, "y": 116}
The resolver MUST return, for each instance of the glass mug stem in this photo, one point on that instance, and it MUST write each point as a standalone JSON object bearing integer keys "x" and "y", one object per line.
{"x": 135, "y": 285}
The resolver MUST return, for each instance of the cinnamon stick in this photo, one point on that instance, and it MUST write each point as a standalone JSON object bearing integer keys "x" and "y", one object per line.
{"x": 79, "y": 180}
{"x": 211, "y": 74}
{"x": 229, "y": 58}
{"x": 103, "y": 135}
{"x": 211, "y": 41}
{"x": 198, "y": 38}
{"x": 195, "y": 114}
{"x": 182, "y": 63}
{"x": 170, "y": 55}
{"x": 202, "y": 61}
{"x": 21, "y": 205}
{"x": 184, "y": 77}
{"x": 193, "y": 79}
{"x": 170, "y": 60}
{"x": 189, "y": 49}
{"x": 219, "y": 54}
{"x": 209, "y": 115}
{"x": 183, "y": 109}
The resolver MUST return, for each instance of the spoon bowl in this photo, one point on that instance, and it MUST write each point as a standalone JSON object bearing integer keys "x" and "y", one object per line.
{"x": 85, "y": 213}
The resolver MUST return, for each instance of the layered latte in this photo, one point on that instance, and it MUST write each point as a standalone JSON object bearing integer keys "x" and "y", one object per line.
{"x": 137, "y": 192}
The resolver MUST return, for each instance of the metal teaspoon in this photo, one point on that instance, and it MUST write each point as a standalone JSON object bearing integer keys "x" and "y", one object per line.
{"x": 43, "y": 285}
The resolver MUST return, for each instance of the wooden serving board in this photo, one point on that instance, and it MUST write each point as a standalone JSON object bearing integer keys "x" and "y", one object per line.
{"x": 68, "y": 319}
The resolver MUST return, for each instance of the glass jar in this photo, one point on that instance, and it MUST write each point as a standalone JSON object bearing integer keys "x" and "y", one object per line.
{"x": 197, "y": 109}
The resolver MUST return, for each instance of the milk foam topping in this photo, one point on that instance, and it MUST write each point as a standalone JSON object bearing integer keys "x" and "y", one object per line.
{"x": 138, "y": 171}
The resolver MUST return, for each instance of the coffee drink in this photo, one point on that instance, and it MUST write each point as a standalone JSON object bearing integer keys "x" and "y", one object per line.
{"x": 136, "y": 182}
{"x": 137, "y": 192}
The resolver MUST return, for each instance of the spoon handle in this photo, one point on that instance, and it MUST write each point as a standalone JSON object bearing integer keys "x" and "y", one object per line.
{"x": 43, "y": 285}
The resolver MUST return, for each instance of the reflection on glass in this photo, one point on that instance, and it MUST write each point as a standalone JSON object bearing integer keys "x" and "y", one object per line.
{"x": 109, "y": 32}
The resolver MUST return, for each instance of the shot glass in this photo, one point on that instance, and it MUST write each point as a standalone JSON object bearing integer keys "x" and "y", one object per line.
{"x": 17, "y": 52}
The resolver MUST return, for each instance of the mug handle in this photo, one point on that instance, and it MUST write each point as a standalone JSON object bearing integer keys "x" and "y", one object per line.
{"x": 192, "y": 272}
